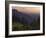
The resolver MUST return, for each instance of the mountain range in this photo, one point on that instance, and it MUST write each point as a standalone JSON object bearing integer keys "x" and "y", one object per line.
{"x": 24, "y": 18}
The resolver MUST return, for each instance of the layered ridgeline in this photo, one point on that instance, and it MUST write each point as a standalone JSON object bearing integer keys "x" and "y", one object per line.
{"x": 26, "y": 19}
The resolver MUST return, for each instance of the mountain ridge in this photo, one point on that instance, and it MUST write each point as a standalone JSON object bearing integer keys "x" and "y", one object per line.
{"x": 24, "y": 18}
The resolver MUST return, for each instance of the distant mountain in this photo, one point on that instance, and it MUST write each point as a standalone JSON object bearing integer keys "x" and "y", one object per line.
{"x": 24, "y": 18}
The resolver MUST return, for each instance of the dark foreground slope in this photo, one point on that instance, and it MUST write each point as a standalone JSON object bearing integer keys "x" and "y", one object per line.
{"x": 23, "y": 21}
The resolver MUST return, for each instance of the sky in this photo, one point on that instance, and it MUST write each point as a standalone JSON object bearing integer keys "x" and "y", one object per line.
{"x": 28, "y": 10}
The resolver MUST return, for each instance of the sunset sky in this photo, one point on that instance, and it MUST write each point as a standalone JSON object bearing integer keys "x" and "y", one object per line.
{"x": 28, "y": 10}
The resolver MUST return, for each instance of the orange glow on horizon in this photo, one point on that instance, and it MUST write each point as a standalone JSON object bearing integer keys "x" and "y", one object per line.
{"x": 28, "y": 10}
